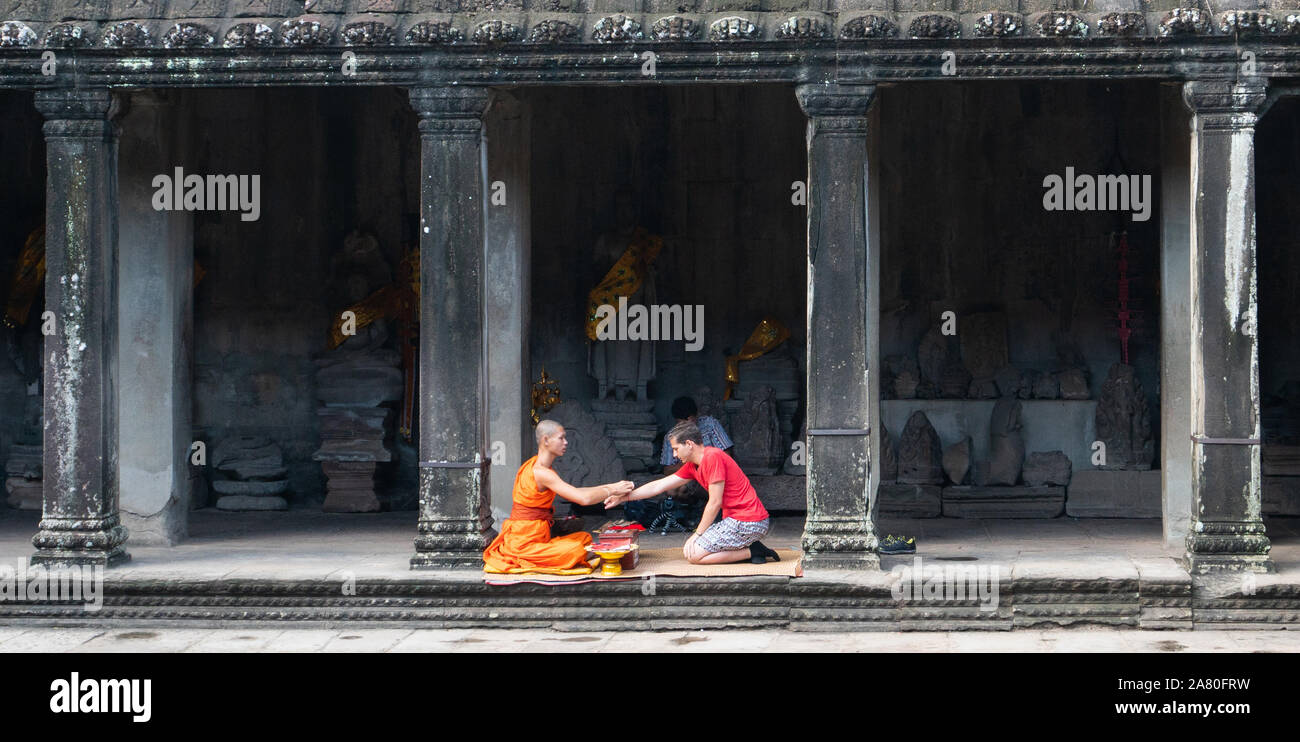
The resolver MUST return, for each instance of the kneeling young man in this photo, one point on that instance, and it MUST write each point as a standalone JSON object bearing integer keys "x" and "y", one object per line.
{"x": 734, "y": 538}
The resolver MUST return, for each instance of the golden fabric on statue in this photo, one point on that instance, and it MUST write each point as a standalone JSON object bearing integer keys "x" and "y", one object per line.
{"x": 625, "y": 277}
{"x": 769, "y": 334}
{"x": 29, "y": 277}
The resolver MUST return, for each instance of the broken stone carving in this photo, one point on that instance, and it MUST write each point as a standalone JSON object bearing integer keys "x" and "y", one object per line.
{"x": 1124, "y": 421}
{"x": 1073, "y": 383}
{"x": 1006, "y": 444}
{"x": 906, "y": 376}
{"x": 920, "y": 457}
{"x": 249, "y": 474}
{"x": 1050, "y": 467}
{"x": 756, "y": 431}
{"x": 956, "y": 461}
{"x": 1045, "y": 386}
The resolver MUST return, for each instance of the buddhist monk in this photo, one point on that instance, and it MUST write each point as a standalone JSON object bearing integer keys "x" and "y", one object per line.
{"x": 525, "y": 543}
{"x": 733, "y": 538}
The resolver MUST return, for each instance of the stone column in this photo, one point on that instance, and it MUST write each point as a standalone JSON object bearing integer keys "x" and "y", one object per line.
{"x": 156, "y": 274}
{"x": 455, "y": 514}
{"x": 1227, "y": 532}
{"x": 838, "y": 533}
{"x": 1175, "y": 317}
{"x": 79, "y": 523}
{"x": 508, "y": 265}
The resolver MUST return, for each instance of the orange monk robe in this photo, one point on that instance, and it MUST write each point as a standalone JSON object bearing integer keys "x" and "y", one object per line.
{"x": 525, "y": 545}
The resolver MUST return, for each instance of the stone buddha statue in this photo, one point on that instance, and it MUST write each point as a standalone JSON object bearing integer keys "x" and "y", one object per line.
{"x": 623, "y": 368}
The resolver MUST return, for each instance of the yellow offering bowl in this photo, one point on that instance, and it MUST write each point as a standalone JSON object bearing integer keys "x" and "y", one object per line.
{"x": 611, "y": 560}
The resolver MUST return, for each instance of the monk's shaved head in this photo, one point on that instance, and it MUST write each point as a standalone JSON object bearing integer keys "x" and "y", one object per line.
{"x": 546, "y": 429}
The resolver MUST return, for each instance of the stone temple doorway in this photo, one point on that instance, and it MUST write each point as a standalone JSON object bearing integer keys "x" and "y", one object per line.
{"x": 713, "y": 178}
{"x": 1277, "y": 199}
{"x": 298, "y": 403}
{"x": 22, "y": 291}
{"x": 1019, "y": 336}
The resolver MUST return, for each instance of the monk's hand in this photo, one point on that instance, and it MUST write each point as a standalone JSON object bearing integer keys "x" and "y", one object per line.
{"x": 622, "y": 488}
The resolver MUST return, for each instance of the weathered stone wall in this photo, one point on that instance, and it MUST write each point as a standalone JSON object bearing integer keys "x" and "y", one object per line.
{"x": 329, "y": 161}
{"x": 710, "y": 169}
{"x": 965, "y": 229}
{"x": 22, "y": 209}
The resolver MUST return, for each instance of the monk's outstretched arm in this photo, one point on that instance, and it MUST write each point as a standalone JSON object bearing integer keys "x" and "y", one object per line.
{"x": 648, "y": 490}
{"x": 580, "y": 495}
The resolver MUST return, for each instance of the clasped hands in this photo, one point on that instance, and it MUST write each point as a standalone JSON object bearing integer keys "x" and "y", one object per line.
{"x": 619, "y": 492}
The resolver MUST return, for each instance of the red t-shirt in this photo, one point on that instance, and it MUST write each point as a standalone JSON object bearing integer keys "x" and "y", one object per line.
{"x": 739, "y": 500}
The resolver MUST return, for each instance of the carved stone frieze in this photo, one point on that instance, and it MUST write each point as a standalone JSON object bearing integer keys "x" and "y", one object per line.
{"x": 188, "y": 36}
{"x": 614, "y": 28}
{"x": 554, "y": 31}
{"x": 369, "y": 33}
{"x": 869, "y": 27}
{"x": 674, "y": 28}
{"x": 433, "y": 32}
{"x": 242, "y": 35}
{"x": 934, "y": 26}
{"x": 733, "y": 28}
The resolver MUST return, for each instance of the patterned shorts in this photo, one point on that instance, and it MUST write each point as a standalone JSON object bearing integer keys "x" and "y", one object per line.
{"x": 730, "y": 534}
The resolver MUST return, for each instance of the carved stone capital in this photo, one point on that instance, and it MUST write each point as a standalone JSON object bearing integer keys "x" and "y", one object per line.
{"x": 451, "y": 111}
{"x": 1225, "y": 104}
{"x": 78, "y": 103}
{"x": 835, "y": 100}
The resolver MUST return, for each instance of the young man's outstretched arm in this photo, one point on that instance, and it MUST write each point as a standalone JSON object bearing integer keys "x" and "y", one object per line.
{"x": 647, "y": 490}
